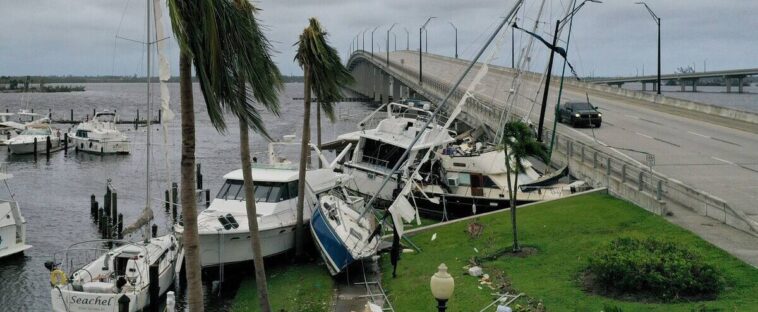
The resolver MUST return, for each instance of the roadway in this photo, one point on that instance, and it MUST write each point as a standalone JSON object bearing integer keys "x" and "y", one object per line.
{"x": 719, "y": 160}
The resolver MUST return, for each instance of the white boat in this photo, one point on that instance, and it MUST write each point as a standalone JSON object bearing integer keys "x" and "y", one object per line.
{"x": 122, "y": 271}
{"x": 100, "y": 135}
{"x": 12, "y": 224}
{"x": 378, "y": 150}
{"x": 223, "y": 226}
{"x": 8, "y": 128}
{"x": 342, "y": 231}
{"x": 36, "y": 133}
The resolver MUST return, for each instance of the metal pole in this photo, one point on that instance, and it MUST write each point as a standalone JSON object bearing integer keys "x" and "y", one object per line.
{"x": 149, "y": 112}
{"x": 387, "y": 41}
{"x": 407, "y": 39}
{"x": 420, "y": 49}
{"x": 363, "y": 39}
{"x": 547, "y": 83}
{"x": 659, "y": 55}
{"x": 372, "y": 41}
{"x": 513, "y": 48}
{"x": 456, "y": 39}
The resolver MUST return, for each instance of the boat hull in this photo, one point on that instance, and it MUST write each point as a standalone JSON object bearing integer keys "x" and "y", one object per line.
{"x": 28, "y": 147}
{"x": 231, "y": 248}
{"x": 457, "y": 206}
{"x": 101, "y": 147}
{"x": 335, "y": 254}
{"x": 65, "y": 299}
{"x": 368, "y": 182}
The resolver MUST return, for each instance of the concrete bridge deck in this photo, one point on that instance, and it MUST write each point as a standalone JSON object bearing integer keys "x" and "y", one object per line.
{"x": 703, "y": 151}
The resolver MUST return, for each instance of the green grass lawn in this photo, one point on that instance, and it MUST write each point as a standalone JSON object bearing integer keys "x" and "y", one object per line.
{"x": 566, "y": 233}
{"x": 292, "y": 288}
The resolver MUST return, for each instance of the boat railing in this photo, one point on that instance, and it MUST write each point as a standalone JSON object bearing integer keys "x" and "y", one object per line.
{"x": 375, "y": 162}
{"x": 78, "y": 255}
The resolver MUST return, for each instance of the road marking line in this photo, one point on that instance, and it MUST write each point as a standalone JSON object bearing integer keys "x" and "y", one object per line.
{"x": 725, "y": 141}
{"x": 700, "y": 135}
{"x": 632, "y": 116}
{"x": 667, "y": 142}
{"x": 724, "y": 160}
{"x": 652, "y": 122}
{"x": 645, "y": 135}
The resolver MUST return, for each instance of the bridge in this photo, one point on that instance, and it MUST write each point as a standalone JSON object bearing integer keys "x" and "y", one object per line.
{"x": 684, "y": 79}
{"x": 704, "y": 169}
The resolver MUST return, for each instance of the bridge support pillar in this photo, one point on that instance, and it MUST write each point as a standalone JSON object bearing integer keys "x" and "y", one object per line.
{"x": 655, "y": 86}
{"x": 739, "y": 85}
{"x": 644, "y": 86}
{"x": 681, "y": 84}
{"x": 728, "y": 83}
{"x": 694, "y": 85}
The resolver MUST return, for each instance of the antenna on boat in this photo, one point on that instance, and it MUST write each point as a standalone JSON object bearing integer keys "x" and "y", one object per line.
{"x": 439, "y": 107}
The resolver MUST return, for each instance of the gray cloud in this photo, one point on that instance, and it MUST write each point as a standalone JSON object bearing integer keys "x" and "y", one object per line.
{"x": 614, "y": 38}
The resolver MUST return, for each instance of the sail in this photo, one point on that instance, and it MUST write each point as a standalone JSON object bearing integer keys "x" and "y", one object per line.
{"x": 164, "y": 74}
{"x": 143, "y": 220}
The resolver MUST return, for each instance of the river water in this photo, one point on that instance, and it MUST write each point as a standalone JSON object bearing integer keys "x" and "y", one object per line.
{"x": 54, "y": 194}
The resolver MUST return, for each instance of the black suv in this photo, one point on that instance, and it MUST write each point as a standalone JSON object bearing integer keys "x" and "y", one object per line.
{"x": 580, "y": 113}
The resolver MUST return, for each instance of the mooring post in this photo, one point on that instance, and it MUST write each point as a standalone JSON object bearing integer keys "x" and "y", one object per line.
{"x": 102, "y": 227}
{"x": 137, "y": 114}
{"x": 93, "y": 112}
{"x": 155, "y": 230}
{"x": 48, "y": 145}
{"x": 174, "y": 198}
{"x": 207, "y": 197}
{"x": 72, "y": 115}
{"x": 92, "y": 205}
{"x": 35, "y": 148}
{"x": 154, "y": 288}
{"x": 199, "y": 177}
{"x": 123, "y": 303}
{"x": 159, "y": 116}
{"x": 114, "y": 207}
{"x": 166, "y": 200}
{"x": 120, "y": 226}
{"x": 65, "y": 143}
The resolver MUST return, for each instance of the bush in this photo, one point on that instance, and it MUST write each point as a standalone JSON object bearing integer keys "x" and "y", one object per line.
{"x": 653, "y": 268}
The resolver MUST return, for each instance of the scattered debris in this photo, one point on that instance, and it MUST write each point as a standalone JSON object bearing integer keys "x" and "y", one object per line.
{"x": 475, "y": 229}
{"x": 475, "y": 271}
{"x": 434, "y": 236}
{"x": 408, "y": 250}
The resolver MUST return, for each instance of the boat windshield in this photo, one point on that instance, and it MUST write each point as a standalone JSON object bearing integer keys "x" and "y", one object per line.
{"x": 35, "y": 131}
{"x": 267, "y": 192}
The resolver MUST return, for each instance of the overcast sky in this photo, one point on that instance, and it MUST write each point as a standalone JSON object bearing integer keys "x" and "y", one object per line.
{"x": 77, "y": 37}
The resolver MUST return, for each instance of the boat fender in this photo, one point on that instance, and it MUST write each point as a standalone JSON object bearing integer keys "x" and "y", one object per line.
{"x": 58, "y": 277}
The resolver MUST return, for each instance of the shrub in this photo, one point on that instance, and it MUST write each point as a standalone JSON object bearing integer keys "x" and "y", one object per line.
{"x": 653, "y": 268}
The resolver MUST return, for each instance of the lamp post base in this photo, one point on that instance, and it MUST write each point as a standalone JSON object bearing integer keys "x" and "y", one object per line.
{"x": 441, "y": 305}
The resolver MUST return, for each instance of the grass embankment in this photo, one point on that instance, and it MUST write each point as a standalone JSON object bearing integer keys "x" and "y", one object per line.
{"x": 565, "y": 233}
{"x": 293, "y": 288}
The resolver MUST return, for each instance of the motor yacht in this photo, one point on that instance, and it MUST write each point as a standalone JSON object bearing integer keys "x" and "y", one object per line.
{"x": 223, "y": 226}
{"x": 100, "y": 135}
{"x": 35, "y": 134}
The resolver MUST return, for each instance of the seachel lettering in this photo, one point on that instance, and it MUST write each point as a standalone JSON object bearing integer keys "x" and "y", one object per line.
{"x": 91, "y": 301}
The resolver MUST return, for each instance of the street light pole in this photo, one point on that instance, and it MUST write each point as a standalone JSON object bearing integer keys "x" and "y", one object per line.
{"x": 363, "y": 39}
{"x": 407, "y": 39}
{"x": 394, "y": 35}
{"x": 372, "y": 41}
{"x": 456, "y": 39}
{"x": 426, "y": 39}
{"x": 658, "y": 22}
{"x": 388, "y": 43}
{"x": 420, "y": 58}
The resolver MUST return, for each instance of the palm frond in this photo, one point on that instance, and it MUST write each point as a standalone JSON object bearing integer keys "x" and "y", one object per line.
{"x": 227, "y": 43}
{"x": 322, "y": 61}
{"x": 520, "y": 141}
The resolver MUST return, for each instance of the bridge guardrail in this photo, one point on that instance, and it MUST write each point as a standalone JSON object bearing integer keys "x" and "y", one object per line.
{"x": 594, "y": 164}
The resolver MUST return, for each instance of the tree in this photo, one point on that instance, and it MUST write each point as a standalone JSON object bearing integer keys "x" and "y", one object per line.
{"x": 324, "y": 75}
{"x": 519, "y": 141}
{"x": 232, "y": 58}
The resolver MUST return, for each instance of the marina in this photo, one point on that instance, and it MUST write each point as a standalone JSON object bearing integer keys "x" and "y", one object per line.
{"x": 196, "y": 176}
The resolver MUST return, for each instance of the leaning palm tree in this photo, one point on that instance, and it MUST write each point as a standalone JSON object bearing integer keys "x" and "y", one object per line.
{"x": 324, "y": 75}
{"x": 232, "y": 58}
{"x": 519, "y": 142}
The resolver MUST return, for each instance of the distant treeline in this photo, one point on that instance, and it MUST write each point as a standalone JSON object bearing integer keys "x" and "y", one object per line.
{"x": 27, "y": 84}
{"x": 6, "y": 81}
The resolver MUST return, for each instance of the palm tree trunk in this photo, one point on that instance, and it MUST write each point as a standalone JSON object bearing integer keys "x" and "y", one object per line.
{"x": 252, "y": 220}
{"x": 318, "y": 129}
{"x": 512, "y": 196}
{"x": 299, "y": 236}
{"x": 189, "y": 207}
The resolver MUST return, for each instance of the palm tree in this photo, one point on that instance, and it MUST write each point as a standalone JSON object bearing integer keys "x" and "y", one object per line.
{"x": 324, "y": 75}
{"x": 232, "y": 58}
{"x": 519, "y": 142}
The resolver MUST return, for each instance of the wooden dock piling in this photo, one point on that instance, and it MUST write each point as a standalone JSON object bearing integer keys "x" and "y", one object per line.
{"x": 93, "y": 205}
{"x": 48, "y": 146}
{"x": 120, "y": 226}
{"x": 154, "y": 288}
{"x": 199, "y": 177}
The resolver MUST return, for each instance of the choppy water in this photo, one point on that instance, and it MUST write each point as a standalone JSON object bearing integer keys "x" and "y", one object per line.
{"x": 54, "y": 195}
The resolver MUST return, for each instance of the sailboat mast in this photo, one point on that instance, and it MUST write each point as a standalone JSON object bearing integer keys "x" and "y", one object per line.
{"x": 149, "y": 110}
